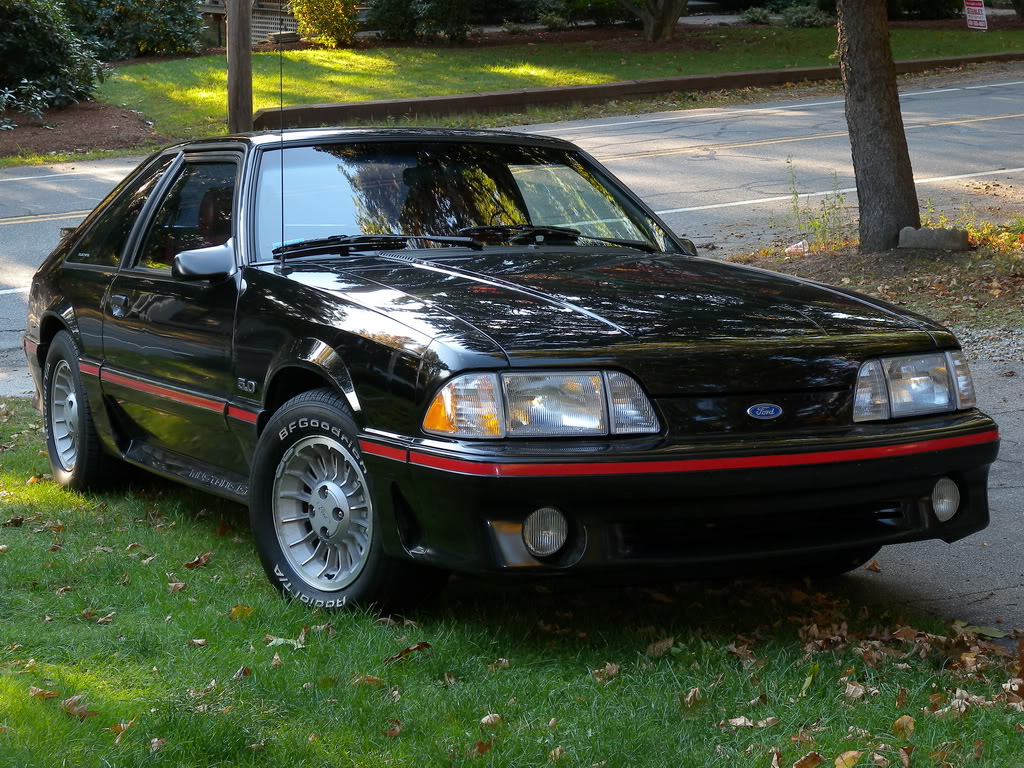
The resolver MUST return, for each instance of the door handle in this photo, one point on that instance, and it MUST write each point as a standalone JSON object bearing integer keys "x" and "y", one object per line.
{"x": 118, "y": 304}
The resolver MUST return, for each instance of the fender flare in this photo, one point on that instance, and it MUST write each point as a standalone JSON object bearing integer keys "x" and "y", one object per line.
{"x": 320, "y": 357}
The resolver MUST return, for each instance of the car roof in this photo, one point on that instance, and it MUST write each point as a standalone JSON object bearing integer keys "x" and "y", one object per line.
{"x": 316, "y": 135}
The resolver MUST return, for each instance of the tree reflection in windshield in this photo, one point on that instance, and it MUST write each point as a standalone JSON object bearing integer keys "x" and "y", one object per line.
{"x": 438, "y": 188}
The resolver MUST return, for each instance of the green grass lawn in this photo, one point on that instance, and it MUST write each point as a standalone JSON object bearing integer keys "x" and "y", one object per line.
{"x": 186, "y": 97}
{"x": 86, "y": 609}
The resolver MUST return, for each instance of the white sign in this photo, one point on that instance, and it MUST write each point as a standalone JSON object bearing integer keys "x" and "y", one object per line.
{"x": 975, "y": 12}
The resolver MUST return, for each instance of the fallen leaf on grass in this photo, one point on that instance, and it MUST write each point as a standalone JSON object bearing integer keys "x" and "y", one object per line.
{"x": 120, "y": 729}
{"x": 880, "y": 760}
{"x": 607, "y": 673}
{"x": 449, "y": 679}
{"x": 481, "y": 748}
{"x": 776, "y": 759}
{"x": 73, "y": 707}
{"x": 198, "y": 641}
{"x": 259, "y": 745}
{"x": 240, "y": 612}
{"x": 905, "y": 753}
{"x": 810, "y": 760}
{"x": 741, "y": 722}
{"x": 12, "y": 522}
{"x": 421, "y": 646}
{"x": 492, "y": 720}
{"x": 199, "y": 561}
{"x": 812, "y": 674}
{"x": 147, "y": 561}
{"x": 854, "y": 691}
{"x": 691, "y": 699}
{"x": 241, "y": 672}
{"x": 62, "y": 591}
{"x": 272, "y": 641}
{"x": 873, "y": 566}
{"x": 367, "y": 680}
{"x": 903, "y": 726}
{"x": 106, "y": 619}
{"x": 176, "y": 586}
{"x": 499, "y": 664}
{"x": 660, "y": 647}
{"x": 276, "y": 661}
{"x": 314, "y": 737}
{"x": 42, "y": 695}
{"x": 901, "y": 698}
{"x": 56, "y": 526}
{"x": 395, "y": 729}
{"x": 155, "y": 745}
{"x": 848, "y": 759}
{"x": 556, "y": 754}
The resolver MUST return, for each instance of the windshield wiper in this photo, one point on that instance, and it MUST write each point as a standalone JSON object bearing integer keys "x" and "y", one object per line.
{"x": 342, "y": 244}
{"x": 529, "y": 230}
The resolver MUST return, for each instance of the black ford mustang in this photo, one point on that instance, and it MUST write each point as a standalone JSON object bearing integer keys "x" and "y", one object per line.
{"x": 414, "y": 351}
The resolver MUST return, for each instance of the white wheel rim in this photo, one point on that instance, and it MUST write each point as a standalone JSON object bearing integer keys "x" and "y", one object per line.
{"x": 64, "y": 416}
{"x": 323, "y": 515}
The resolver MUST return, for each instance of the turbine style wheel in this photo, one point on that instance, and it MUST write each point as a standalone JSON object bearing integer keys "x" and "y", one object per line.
{"x": 76, "y": 456}
{"x": 311, "y": 505}
{"x": 322, "y": 513}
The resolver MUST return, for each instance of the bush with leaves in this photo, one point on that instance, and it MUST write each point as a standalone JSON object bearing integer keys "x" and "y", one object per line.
{"x": 913, "y": 9}
{"x": 331, "y": 22}
{"x": 120, "y": 29}
{"x": 500, "y": 11}
{"x": 756, "y": 16}
{"x": 806, "y": 16}
{"x": 392, "y": 19}
{"x": 43, "y": 63}
{"x": 442, "y": 18}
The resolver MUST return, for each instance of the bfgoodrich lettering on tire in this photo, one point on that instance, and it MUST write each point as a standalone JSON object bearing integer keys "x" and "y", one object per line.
{"x": 312, "y": 511}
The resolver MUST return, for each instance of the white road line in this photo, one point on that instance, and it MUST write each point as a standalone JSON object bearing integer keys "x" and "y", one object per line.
{"x": 992, "y": 85}
{"x": 6, "y": 291}
{"x": 844, "y": 191}
{"x": 709, "y": 112}
{"x": 47, "y": 175}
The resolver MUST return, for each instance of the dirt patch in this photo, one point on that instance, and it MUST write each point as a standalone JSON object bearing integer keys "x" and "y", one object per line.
{"x": 80, "y": 128}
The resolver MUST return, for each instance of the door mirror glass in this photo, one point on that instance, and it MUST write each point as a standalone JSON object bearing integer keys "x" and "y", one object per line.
{"x": 213, "y": 263}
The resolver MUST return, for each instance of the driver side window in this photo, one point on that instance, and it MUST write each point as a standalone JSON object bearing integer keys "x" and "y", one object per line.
{"x": 196, "y": 213}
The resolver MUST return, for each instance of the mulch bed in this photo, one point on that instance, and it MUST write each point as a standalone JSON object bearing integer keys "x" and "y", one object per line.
{"x": 80, "y": 128}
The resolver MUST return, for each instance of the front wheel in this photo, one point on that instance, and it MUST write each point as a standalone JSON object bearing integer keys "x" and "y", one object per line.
{"x": 312, "y": 512}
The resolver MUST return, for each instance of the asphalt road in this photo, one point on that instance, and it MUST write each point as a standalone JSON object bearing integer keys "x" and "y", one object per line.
{"x": 722, "y": 176}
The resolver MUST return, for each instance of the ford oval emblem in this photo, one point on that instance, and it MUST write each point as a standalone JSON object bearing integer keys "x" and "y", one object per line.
{"x": 764, "y": 411}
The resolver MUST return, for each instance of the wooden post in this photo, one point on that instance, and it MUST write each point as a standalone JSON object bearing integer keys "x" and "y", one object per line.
{"x": 239, "y": 65}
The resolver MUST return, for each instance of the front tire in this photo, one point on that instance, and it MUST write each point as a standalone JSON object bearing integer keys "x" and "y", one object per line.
{"x": 77, "y": 459}
{"x": 312, "y": 512}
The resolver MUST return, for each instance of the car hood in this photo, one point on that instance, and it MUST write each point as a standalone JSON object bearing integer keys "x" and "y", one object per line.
{"x": 682, "y": 324}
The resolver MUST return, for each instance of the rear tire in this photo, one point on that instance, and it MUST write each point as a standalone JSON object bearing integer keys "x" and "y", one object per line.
{"x": 77, "y": 459}
{"x": 313, "y": 517}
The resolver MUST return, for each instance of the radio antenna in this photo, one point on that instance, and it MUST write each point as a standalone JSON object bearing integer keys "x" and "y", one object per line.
{"x": 280, "y": 91}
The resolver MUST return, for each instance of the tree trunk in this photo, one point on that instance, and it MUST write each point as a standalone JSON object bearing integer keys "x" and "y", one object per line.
{"x": 881, "y": 160}
{"x": 659, "y": 17}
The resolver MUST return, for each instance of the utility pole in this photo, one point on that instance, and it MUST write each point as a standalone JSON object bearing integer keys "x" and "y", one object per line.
{"x": 239, "y": 65}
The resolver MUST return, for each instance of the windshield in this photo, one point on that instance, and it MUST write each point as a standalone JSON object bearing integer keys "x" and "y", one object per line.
{"x": 439, "y": 188}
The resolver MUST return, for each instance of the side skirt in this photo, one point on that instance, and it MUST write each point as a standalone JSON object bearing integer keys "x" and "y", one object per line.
{"x": 186, "y": 470}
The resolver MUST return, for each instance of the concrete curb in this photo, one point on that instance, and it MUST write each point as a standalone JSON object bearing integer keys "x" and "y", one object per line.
{"x": 314, "y": 115}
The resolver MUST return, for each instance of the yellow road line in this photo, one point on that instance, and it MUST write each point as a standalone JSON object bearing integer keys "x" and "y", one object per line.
{"x": 785, "y": 140}
{"x": 42, "y": 217}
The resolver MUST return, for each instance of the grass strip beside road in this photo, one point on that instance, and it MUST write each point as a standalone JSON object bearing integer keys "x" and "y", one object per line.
{"x": 187, "y": 97}
{"x": 710, "y": 674}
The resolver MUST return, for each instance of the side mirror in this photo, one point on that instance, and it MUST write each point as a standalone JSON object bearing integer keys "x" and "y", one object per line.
{"x": 214, "y": 263}
{"x": 688, "y": 247}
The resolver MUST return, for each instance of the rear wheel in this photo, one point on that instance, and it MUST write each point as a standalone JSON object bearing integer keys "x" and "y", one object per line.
{"x": 76, "y": 456}
{"x": 313, "y": 517}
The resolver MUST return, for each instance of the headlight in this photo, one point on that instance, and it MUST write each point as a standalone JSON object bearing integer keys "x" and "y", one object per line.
{"x": 532, "y": 404}
{"x": 912, "y": 385}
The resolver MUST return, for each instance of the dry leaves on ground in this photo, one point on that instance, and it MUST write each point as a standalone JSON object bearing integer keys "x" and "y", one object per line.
{"x": 199, "y": 561}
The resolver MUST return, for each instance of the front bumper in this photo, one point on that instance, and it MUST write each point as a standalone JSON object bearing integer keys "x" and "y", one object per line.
{"x": 659, "y": 504}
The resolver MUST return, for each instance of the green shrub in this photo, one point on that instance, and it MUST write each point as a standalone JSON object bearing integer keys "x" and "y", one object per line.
{"x": 392, "y": 18}
{"x": 601, "y": 12}
{"x": 913, "y": 9}
{"x": 442, "y": 18}
{"x": 553, "y": 21}
{"x": 806, "y": 16}
{"x": 756, "y": 16}
{"x": 514, "y": 27}
{"x": 500, "y": 11}
{"x": 330, "y": 22}
{"x": 1018, "y": 6}
{"x": 42, "y": 62}
{"x": 120, "y": 29}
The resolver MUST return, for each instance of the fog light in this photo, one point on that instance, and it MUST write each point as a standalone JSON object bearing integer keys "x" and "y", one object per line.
{"x": 945, "y": 499}
{"x": 545, "y": 531}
